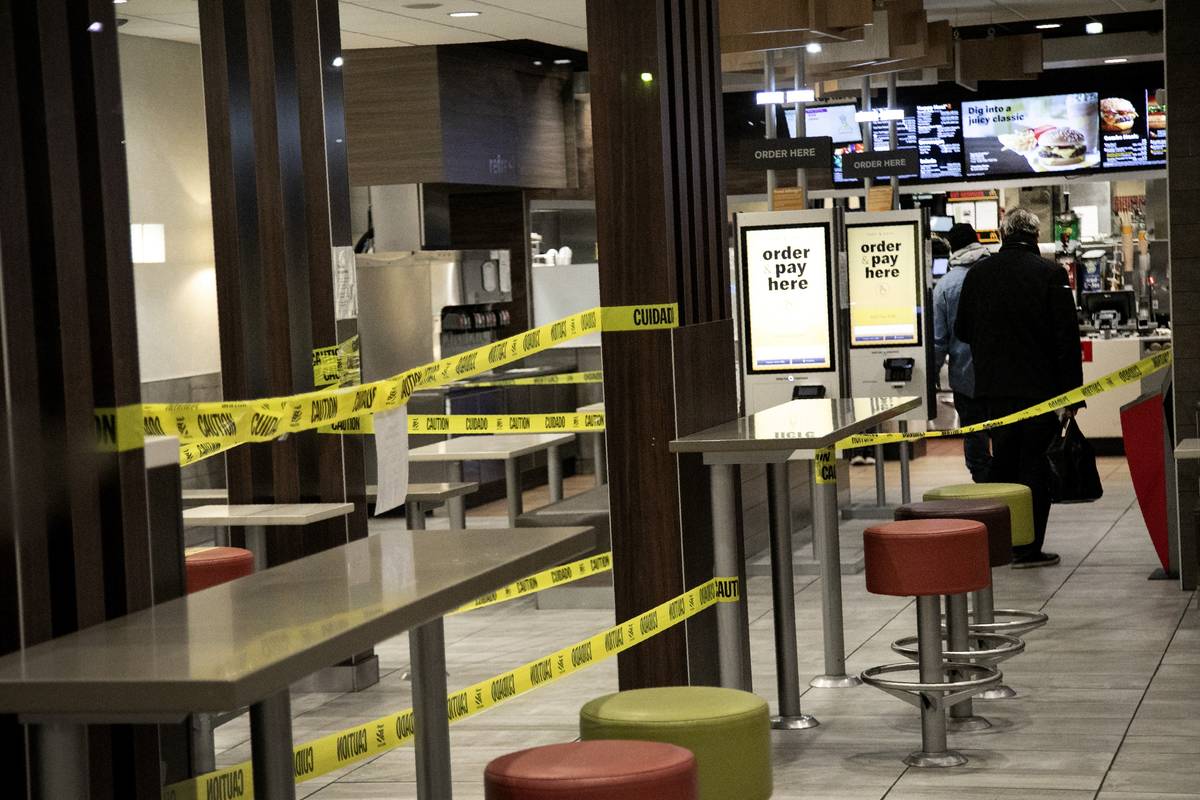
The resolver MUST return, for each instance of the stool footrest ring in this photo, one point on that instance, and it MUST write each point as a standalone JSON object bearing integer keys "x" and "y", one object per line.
{"x": 933, "y": 695}
{"x": 1017, "y": 622}
{"x": 986, "y": 648}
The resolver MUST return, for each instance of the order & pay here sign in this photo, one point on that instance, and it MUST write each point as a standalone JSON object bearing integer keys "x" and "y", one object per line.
{"x": 884, "y": 284}
{"x": 789, "y": 314}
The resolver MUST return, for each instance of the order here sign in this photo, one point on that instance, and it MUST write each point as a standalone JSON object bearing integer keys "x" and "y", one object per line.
{"x": 789, "y": 298}
{"x": 805, "y": 152}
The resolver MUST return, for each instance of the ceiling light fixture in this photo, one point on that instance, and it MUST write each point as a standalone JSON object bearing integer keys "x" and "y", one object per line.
{"x": 1048, "y": 26}
{"x": 120, "y": 2}
{"x": 1094, "y": 27}
{"x": 460, "y": 14}
{"x": 95, "y": 27}
{"x": 562, "y": 61}
{"x": 1116, "y": 60}
{"x": 813, "y": 47}
{"x": 537, "y": 63}
{"x": 338, "y": 61}
{"x": 647, "y": 77}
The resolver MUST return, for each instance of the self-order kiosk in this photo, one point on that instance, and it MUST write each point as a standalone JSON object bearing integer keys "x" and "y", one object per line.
{"x": 788, "y": 290}
{"x": 890, "y": 330}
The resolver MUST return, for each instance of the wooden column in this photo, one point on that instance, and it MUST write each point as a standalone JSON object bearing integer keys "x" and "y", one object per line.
{"x": 1180, "y": 19}
{"x": 280, "y": 203}
{"x": 74, "y": 546}
{"x": 660, "y": 209}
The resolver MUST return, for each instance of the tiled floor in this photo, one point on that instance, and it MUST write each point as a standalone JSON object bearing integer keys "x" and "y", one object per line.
{"x": 1109, "y": 702}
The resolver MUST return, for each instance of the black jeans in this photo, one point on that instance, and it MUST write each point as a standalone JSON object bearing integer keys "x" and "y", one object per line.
{"x": 1019, "y": 456}
{"x": 975, "y": 445}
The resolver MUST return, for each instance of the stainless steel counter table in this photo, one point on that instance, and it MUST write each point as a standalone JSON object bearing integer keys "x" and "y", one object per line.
{"x": 256, "y": 517}
{"x": 770, "y": 437}
{"x": 245, "y": 642}
{"x": 501, "y": 447}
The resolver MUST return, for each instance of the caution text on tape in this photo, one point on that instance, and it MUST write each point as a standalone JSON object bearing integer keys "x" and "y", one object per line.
{"x": 336, "y": 750}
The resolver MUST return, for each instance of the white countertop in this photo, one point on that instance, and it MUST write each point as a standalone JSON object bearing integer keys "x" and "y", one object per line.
{"x": 1187, "y": 449}
{"x": 488, "y": 448}
{"x": 271, "y": 514}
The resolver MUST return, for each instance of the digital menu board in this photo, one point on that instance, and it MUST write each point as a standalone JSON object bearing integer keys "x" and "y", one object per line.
{"x": 1133, "y": 131}
{"x": 838, "y": 123}
{"x": 885, "y": 284}
{"x": 935, "y": 132}
{"x": 1055, "y": 133}
{"x": 788, "y": 289}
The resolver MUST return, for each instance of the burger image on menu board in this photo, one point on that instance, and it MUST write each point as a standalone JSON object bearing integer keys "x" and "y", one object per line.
{"x": 1117, "y": 114}
{"x": 1156, "y": 117}
{"x": 1061, "y": 147}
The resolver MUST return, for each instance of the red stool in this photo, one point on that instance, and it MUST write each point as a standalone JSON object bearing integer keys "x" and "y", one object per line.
{"x": 929, "y": 558}
{"x": 966, "y": 642}
{"x": 601, "y": 769}
{"x": 211, "y": 566}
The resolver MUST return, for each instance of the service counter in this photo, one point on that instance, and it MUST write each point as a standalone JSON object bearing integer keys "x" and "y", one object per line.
{"x": 1102, "y": 418}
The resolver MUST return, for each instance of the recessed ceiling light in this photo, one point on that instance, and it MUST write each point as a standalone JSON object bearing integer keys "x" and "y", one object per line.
{"x": 95, "y": 27}
{"x": 562, "y": 61}
{"x": 537, "y": 63}
{"x": 119, "y": 2}
{"x": 813, "y": 47}
{"x": 1048, "y": 26}
{"x": 1094, "y": 27}
{"x": 464, "y": 14}
{"x": 338, "y": 61}
{"x": 1116, "y": 60}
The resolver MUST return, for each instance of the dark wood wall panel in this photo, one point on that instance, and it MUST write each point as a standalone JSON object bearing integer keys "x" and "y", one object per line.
{"x": 74, "y": 547}
{"x": 661, "y": 229}
{"x": 272, "y": 98}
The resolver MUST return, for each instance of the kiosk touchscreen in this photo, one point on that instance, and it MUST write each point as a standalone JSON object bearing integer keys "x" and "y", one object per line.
{"x": 889, "y": 329}
{"x": 788, "y": 296}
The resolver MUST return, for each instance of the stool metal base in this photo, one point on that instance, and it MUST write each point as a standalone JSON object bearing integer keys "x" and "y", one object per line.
{"x": 835, "y": 682}
{"x": 1018, "y": 622}
{"x": 800, "y": 723}
{"x": 967, "y": 724}
{"x": 950, "y": 758}
{"x": 1001, "y": 692}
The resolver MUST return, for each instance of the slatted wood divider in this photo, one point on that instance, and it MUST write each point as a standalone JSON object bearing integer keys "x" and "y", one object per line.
{"x": 74, "y": 546}
{"x": 660, "y": 208}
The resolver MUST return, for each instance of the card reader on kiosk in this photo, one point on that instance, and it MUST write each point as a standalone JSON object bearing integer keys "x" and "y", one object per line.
{"x": 787, "y": 302}
{"x": 890, "y": 333}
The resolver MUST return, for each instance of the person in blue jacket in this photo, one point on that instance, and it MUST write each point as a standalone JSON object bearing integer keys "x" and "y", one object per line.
{"x": 965, "y": 251}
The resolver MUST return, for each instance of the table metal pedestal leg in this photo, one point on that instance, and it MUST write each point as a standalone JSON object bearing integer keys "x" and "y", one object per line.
{"x": 905, "y": 482}
{"x": 456, "y": 507}
{"x": 512, "y": 486}
{"x": 725, "y": 565}
{"x": 427, "y": 650}
{"x": 204, "y": 751}
{"x": 825, "y": 525}
{"x": 962, "y": 714}
{"x": 880, "y": 476}
{"x": 271, "y": 744}
{"x": 61, "y": 760}
{"x": 256, "y": 543}
{"x": 554, "y": 473}
{"x": 601, "y": 457}
{"x": 783, "y": 586}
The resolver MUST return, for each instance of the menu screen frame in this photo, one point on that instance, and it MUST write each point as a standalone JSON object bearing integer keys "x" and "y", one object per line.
{"x": 917, "y": 269}
{"x": 831, "y": 354}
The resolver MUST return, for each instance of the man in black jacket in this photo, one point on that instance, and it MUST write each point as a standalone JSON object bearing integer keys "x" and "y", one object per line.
{"x": 1017, "y": 313}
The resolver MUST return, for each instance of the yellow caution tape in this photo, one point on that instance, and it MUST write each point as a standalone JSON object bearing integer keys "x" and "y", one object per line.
{"x": 572, "y": 422}
{"x": 1122, "y": 377}
{"x": 547, "y": 579}
{"x": 825, "y": 466}
{"x": 336, "y": 750}
{"x": 338, "y": 365}
{"x": 595, "y": 376}
{"x": 119, "y": 429}
{"x": 233, "y": 423}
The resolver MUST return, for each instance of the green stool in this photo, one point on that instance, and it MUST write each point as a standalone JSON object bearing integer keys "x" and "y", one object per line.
{"x": 729, "y": 732}
{"x": 1016, "y": 496}
{"x": 1019, "y": 500}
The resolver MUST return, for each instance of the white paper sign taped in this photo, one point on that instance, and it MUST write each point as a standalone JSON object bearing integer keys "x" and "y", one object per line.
{"x": 391, "y": 456}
